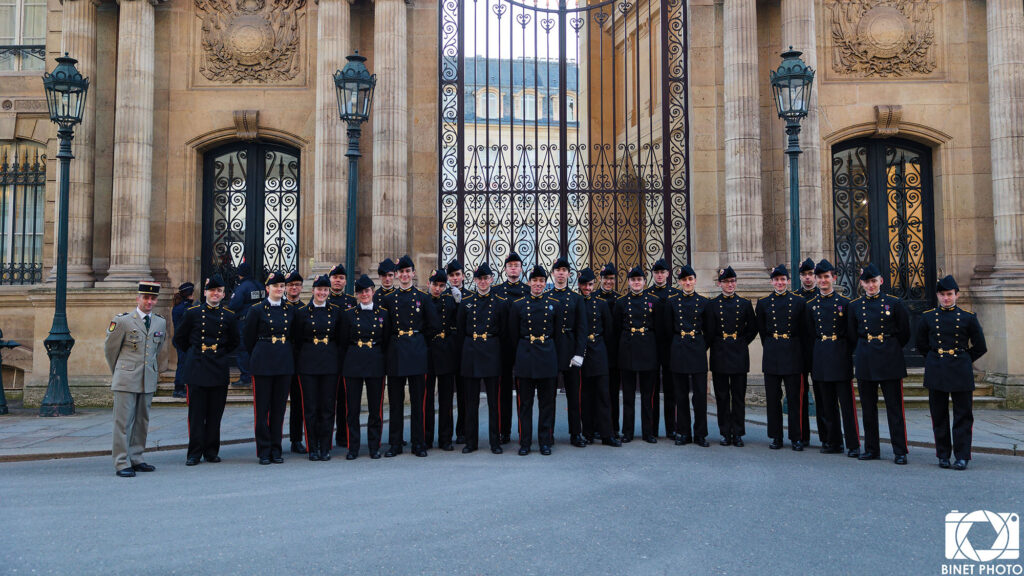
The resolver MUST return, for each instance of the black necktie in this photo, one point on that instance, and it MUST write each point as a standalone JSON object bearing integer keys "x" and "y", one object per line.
{"x": 147, "y": 322}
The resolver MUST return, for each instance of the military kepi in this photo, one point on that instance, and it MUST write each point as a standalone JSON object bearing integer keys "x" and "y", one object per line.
{"x": 386, "y": 266}
{"x": 454, "y": 266}
{"x": 293, "y": 276}
{"x": 538, "y": 272}
{"x": 338, "y": 270}
{"x": 823, "y": 267}
{"x": 686, "y": 271}
{"x": 609, "y": 270}
{"x": 726, "y": 273}
{"x": 870, "y": 271}
{"x": 807, "y": 266}
{"x": 213, "y": 282}
{"x": 780, "y": 270}
{"x": 149, "y": 288}
{"x": 364, "y": 282}
{"x": 660, "y": 265}
{"x": 586, "y": 275}
{"x": 275, "y": 277}
{"x": 636, "y": 272}
{"x": 405, "y": 262}
{"x": 483, "y": 270}
{"x": 439, "y": 276}
{"x": 513, "y": 257}
{"x": 322, "y": 281}
{"x": 947, "y": 283}
{"x": 562, "y": 262}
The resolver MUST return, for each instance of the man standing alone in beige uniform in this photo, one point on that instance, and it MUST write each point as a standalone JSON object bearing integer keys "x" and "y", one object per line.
{"x": 134, "y": 339}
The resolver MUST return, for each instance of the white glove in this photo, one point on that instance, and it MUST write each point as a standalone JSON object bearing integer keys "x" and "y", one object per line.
{"x": 457, "y": 294}
{"x": 576, "y": 362}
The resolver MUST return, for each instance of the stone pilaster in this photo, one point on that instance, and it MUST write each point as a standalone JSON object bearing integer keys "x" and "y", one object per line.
{"x": 798, "y": 31}
{"x": 390, "y": 130}
{"x": 133, "y": 144}
{"x": 330, "y": 166}
{"x": 744, "y": 219}
{"x": 78, "y": 39}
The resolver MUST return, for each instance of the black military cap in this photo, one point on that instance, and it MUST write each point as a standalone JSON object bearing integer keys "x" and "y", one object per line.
{"x": 513, "y": 257}
{"x": 823, "y": 267}
{"x": 386, "y": 266}
{"x": 869, "y": 272}
{"x": 186, "y": 288}
{"x": 215, "y": 281}
{"x": 405, "y": 262}
{"x": 947, "y": 283}
{"x": 453, "y": 266}
{"x": 338, "y": 270}
{"x": 562, "y": 262}
{"x": 275, "y": 277}
{"x": 780, "y": 270}
{"x": 322, "y": 281}
{"x": 439, "y": 276}
{"x": 807, "y": 266}
{"x": 244, "y": 270}
{"x": 726, "y": 273}
{"x": 538, "y": 272}
{"x": 149, "y": 288}
{"x": 364, "y": 282}
{"x": 483, "y": 270}
{"x": 293, "y": 276}
{"x": 685, "y": 271}
{"x": 586, "y": 275}
{"x": 609, "y": 270}
{"x": 636, "y": 272}
{"x": 661, "y": 264}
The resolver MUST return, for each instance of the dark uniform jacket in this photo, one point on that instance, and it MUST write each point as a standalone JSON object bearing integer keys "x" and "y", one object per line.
{"x": 830, "y": 352}
{"x": 445, "y": 345}
{"x": 684, "y": 318}
{"x": 212, "y": 334}
{"x": 269, "y": 334}
{"x": 635, "y": 321}
{"x": 664, "y": 339}
{"x": 510, "y": 291}
{"x": 318, "y": 339}
{"x": 247, "y": 294}
{"x": 571, "y": 339}
{"x": 878, "y": 328}
{"x": 413, "y": 324}
{"x": 481, "y": 323}
{"x": 379, "y": 295}
{"x": 599, "y": 331}
{"x": 611, "y": 339}
{"x": 780, "y": 322}
{"x": 731, "y": 327}
{"x": 950, "y": 339}
{"x": 806, "y": 294}
{"x": 533, "y": 324}
{"x": 342, "y": 300}
{"x": 364, "y": 334}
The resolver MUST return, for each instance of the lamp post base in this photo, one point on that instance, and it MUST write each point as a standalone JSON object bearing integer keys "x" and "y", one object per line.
{"x": 58, "y": 400}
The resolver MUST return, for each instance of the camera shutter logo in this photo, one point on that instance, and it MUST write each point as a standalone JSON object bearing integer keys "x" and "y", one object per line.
{"x": 1005, "y": 547}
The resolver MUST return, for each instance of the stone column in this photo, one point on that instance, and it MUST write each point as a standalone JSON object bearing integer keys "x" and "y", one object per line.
{"x": 798, "y": 31}
{"x": 78, "y": 39}
{"x": 133, "y": 144}
{"x": 744, "y": 218}
{"x": 330, "y": 166}
{"x": 390, "y": 130}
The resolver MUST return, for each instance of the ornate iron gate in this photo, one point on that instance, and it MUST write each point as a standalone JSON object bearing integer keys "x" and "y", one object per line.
{"x": 563, "y": 131}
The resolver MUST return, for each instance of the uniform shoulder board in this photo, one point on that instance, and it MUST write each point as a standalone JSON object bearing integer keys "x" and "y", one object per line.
{"x": 228, "y": 310}
{"x": 855, "y": 299}
{"x": 673, "y": 295}
{"x": 350, "y": 308}
{"x": 193, "y": 307}
{"x": 623, "y": 297}
{"x": 928, "y": 310}
{"x": 520, "y": 298}
{"x": 499, "y": 297}
{"x": 123, "y": 314}
{"x": 812, "y": 300}
{"x": 330, "y": 305}
{"x": 157, "y": 315}
{"x": 761, "y": 298}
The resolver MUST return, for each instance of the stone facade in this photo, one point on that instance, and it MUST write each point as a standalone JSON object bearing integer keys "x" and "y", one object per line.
{"x": 172, "y": 80}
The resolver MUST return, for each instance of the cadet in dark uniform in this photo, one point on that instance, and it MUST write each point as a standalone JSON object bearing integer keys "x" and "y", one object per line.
{"x": 685, "y": 319}
{"x": 878, "y": 325}
{"x": 364, "y": 334}
{"x": 182, "y": 301}
{"x": 413, "y": 323}
{"x": 386, "y": 273}
{"x": 571, "y": 343}
{"x": 293, "y": 297}
{"x": 635, "y": 321}
{"x": 732, "y": 326}
{"x": 247, "y": 293}
{"x": 444, "y": 359}
{"x": 832, "y": 365}
{"x": 533, "y": 323}
{"x": 607, "y": 292}
{"x": 511, "y": 290}
{"x": 780, "y": 322}
{"x": 338, "y": 297}
{"x": 808, "y": 291}
{"x": 456, "y": 285}
{"x": 950, "y": 339}
{"x": 269, "y": 333}
{"x": 318, "y": 331}
{"x": 662, "y": 289}
{"x": 597, "y": 416}
{"x": 481, "y": 323}
{"x": 209, "y": 332}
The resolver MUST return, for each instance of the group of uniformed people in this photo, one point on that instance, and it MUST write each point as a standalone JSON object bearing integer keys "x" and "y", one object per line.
{"x": 447, "y": 345}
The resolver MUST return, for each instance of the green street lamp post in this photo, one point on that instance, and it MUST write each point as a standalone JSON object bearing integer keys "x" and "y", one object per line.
{"x": 791, "y": 87}
{"x": 354, "y": 85}
{"x": 65, "y": 97}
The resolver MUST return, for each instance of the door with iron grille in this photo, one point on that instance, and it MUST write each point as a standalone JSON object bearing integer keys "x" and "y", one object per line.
{"x": 563, "y": 131}
{"x": 883, "y": 213}
{"x": 250, "y": 209}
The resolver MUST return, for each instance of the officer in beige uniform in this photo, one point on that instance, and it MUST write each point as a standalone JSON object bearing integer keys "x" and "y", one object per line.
{"x": 134, "y": 340}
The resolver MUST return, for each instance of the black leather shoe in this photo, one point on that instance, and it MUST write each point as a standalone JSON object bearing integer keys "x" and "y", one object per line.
{"x": 460, "y": 439}
{"x": 447, "y": 447}
{"x": 944, "y": 463}
{"x": 524, "y": 451}
{"x": 468, "y": 449}
{"x": 611, "y": 441}
{"x": 505, "y": 438}
{"x": 351, "y": 456}
{"x": 775, "y": 444}
{"x": 670, "y": 434}
{"x": 588, "y": 439}
{"x": 214, "y": 459}
{"x": 545, "y": 450}
{"x": 325, "y": 455}
{"x": 298, "y": 447}
{"x": 900, "y": 459}
{"x": 867, "y": 456}
{"x": 496, "y": 450}
{"x": 578, "y": 441}
{"x": 960, "y": 464}
{"x": 651, "y": 439}
{"x": 798, "y": 446}
{"x": 831, "y": 449}
{"x": 194, "y": 460}
{"x": 264, "y": 461}
{"x": 393, "y": 451}
{"x": 125, "y": 473}
{"x": 701, "y": 441}
{"x": 725, "y": 441}
{"x": 627, "y": 438}
{"x": 737, "y": 441}
{"x": 853, "y": 453}
{"x": 375, "y": 455}
{"x": 277, "y": 459}
{"x": 143, "y": 467}
{"x": 421, "y": 452}
{"x": 314, "y": 456}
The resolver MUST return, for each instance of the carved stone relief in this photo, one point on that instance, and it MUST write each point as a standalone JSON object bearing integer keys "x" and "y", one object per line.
{"x": 247, "y": 42}
{"x": 883, "y": 38}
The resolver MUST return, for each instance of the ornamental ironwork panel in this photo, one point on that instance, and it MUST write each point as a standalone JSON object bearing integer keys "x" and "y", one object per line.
{"x": 251, "y": 204}
{"x": 563, "y": 131}
{"x": 22, "y": 198}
